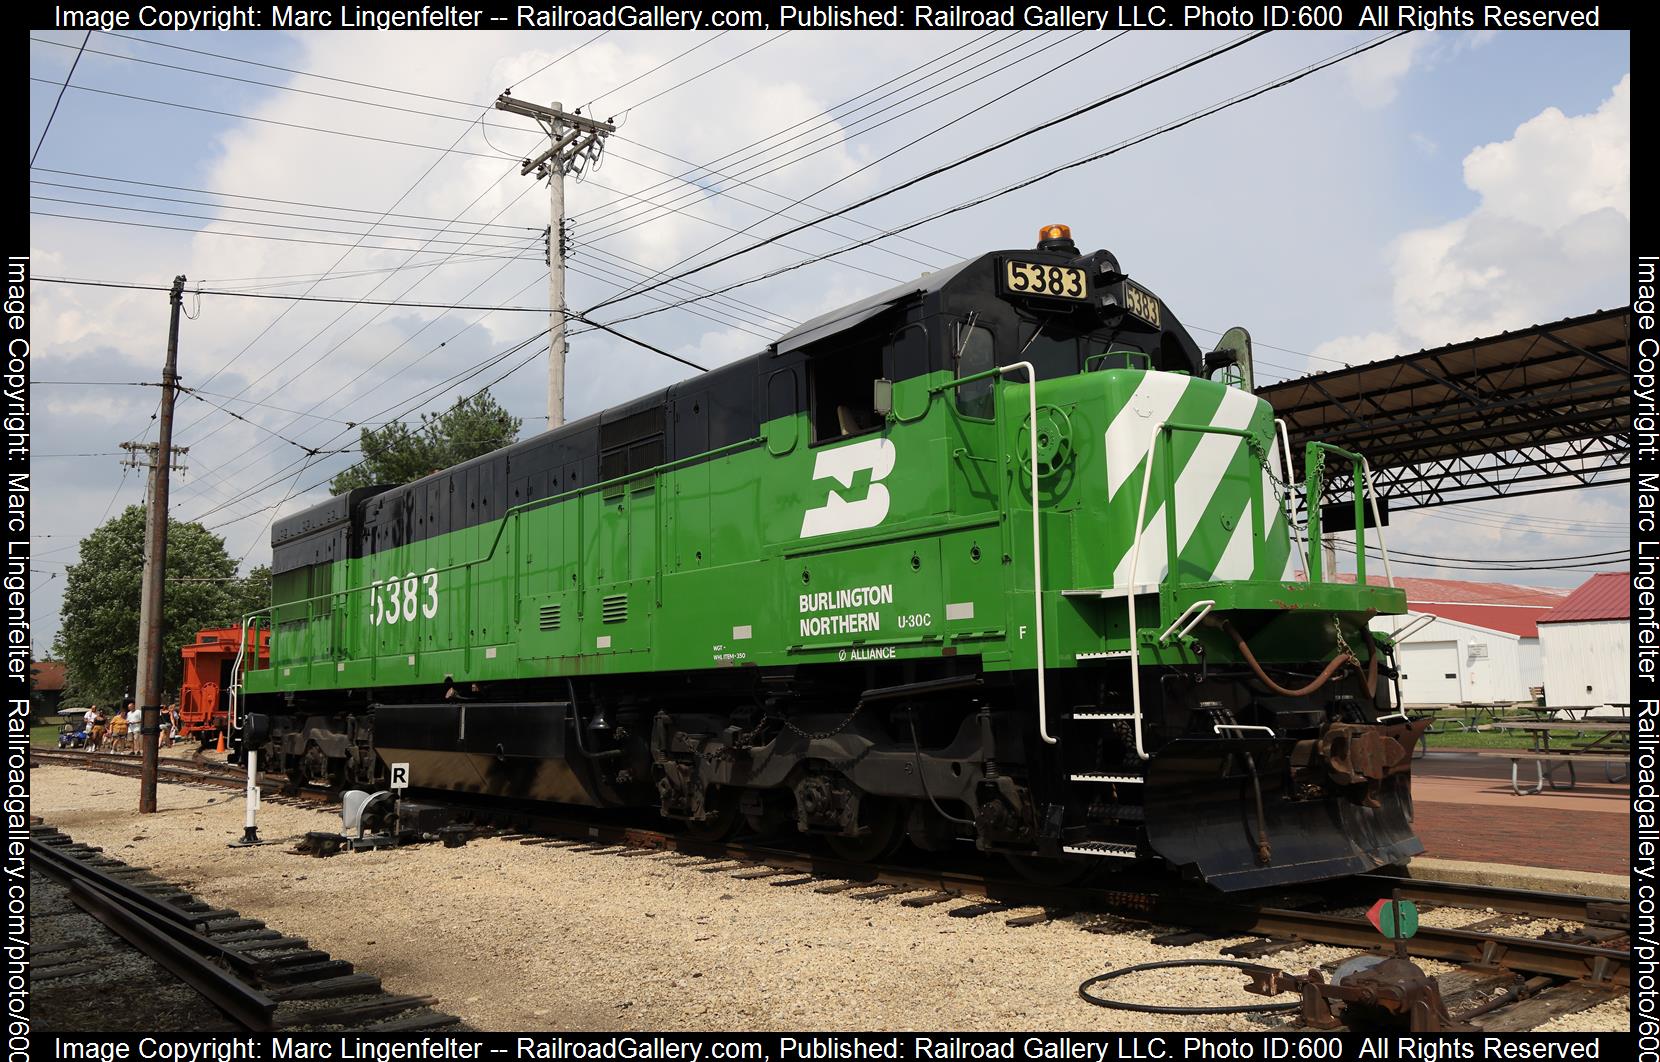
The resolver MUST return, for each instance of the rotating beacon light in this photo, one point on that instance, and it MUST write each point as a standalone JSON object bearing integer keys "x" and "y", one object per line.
{"x": 1056, "y": 238}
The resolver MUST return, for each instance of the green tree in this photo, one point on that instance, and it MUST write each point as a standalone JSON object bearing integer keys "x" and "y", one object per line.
{"x": 252, "y": 592}
{"x": 396, "y": 453}
{"x": 98, "y": 641}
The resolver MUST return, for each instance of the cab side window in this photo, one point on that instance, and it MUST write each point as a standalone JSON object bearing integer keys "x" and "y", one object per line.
{"x": 974, "y": 354}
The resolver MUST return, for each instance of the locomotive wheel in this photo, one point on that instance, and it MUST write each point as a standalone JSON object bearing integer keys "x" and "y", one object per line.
{"x": 1054, "y": 873}
{"x": 884, "y": 832}
{"x": 721, "y": 826}
{"x": 316, "y": 768}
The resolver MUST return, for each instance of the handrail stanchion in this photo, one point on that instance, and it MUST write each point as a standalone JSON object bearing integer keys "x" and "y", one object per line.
{"x": 1037, "y": 531}
{"x": 1290, "y": 504}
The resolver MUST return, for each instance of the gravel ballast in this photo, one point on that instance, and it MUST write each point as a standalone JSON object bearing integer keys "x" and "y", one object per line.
{"x": 531, "y": 938}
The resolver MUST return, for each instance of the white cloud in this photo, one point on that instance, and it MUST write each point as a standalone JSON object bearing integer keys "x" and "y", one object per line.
{"x": 1356, "y": 350}
{"x": 1549, "y": 237}
{"x": 1375, "y": 77}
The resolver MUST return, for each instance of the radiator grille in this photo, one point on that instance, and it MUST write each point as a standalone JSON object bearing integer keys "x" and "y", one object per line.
{"x": 549, "y": 618}
{"x": 614, "y": 608}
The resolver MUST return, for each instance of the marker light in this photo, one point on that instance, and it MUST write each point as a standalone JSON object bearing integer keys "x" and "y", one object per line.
{"x": 1055, "y": 232}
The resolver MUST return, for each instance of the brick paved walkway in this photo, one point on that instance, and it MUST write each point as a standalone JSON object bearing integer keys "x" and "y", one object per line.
{"x": 1465, "y": 810}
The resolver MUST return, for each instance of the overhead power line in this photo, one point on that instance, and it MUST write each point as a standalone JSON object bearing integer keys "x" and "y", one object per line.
{"x": 297, "y": 298}
{"x": 356, "y": 245}
{"x": 236, "y": 195}
{"x": 997, "y": 145}
{"x": 513, "y": 243}
{"x": 35, "y": 154}
{"x": 1123, "y": 145}
{"x": 902, "y": 147}
{"x": 667, "y": 62}
{"x": 703, "y": 73}
{"x": 151, "y": 40}
{"x": 833, "y": 118}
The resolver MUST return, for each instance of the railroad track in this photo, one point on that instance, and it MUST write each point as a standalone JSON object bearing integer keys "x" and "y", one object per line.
{"x": 1571, "y": 967}
{"x": 260, "y": 979}
{"x": 187, "y": 772}
{"x": 1506, "y": 981}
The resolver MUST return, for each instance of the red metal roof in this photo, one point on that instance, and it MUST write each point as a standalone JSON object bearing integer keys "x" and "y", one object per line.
{"x": 1604, "y": 596}
{"x": 46, "y": 676}
{"x": 1495, "y": 606}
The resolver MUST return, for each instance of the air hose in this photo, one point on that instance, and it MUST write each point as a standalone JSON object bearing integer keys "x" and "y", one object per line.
{"x": 1369, "y": 677}
{"x": 1155, "y": 1008}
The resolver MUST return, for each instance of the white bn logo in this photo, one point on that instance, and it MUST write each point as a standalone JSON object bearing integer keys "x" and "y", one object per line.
{"x": 841, "y": 464}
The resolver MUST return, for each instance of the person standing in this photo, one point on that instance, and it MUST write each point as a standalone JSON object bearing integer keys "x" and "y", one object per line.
{"x": 135, "y": 720}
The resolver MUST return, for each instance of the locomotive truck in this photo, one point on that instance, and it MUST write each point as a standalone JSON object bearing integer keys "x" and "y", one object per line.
{"x": 997, "y": 557}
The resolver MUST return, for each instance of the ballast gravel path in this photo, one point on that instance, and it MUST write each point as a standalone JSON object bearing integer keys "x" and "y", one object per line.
{"x": 541, "y": 937}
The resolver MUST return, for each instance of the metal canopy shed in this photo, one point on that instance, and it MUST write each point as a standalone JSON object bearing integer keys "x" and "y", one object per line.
{"x": 1536, "y": 410}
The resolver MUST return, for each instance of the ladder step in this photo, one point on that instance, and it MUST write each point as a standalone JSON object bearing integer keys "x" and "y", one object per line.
{"x": 1108, "y": 778}
{"x": 1116, "y": 717}
{"x": 1100, "y": 848}
{"x": 1110, "y": 654}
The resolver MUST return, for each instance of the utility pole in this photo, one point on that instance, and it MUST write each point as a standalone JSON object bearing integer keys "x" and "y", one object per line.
{"x": 147, "y": 688}
{"x": 574, "y": 142}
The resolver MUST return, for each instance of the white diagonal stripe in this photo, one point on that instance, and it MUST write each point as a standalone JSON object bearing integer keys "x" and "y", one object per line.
{"x": 1151, "y": 563}
{"x": 1202, "y": 475}
{"x": 1196, "y": 485}
{"x": 1130, "y": 435}
{"x": 1238, "y": 558}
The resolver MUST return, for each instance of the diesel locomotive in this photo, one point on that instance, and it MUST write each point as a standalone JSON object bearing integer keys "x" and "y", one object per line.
{"x": 998, "y": 557}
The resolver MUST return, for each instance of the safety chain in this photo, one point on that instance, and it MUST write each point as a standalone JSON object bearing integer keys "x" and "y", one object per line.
{"x": 1283, "y": 489}
{"x": 1343, "y": 646}
{"x": 827, "y": 733}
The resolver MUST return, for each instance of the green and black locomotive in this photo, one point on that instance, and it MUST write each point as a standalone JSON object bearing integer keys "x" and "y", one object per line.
{"x": 995, "y": 557}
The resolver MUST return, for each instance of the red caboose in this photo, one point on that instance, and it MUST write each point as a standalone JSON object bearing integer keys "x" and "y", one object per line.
{"x": 204, "y": 696}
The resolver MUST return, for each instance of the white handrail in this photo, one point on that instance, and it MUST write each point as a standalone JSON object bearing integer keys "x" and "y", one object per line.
{"x": 1135, "y": 571}
{"x": 1203, "y": 606}
{"x": 1290, "y": 503}
{"x": 1037, "y": 551}
{"x": 236, "y": 674}
{"x": 1219, "y": 727}
{"x": 1372, "y": 496}
{"x": 1413, "y": 628}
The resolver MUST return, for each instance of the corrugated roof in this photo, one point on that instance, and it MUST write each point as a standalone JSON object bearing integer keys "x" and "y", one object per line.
{"x": 1503, "y": 607}
{"x": 1518, "y": 397}
{"x": 1604, "y": 596}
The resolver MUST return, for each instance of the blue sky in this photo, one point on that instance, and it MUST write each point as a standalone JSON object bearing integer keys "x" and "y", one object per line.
{"x": 1339, "y": 217}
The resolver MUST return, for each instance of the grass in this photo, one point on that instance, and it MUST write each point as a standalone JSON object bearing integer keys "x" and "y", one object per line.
{"x": 1486, "y": 739}
{"x": 44, "y": 735}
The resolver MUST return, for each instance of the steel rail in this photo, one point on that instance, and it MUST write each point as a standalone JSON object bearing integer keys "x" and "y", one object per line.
{"x": 210, "y": 774}
{"x": 165, "y": 934}
{"x": 1559, "y": 905}
{"x": 1532, "y": 955}
{"x": 1149, "y": 899}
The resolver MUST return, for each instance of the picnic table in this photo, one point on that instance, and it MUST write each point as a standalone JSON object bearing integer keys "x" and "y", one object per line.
{"x": 1584, "y": 711}
{"x": 1609, "y": 745}
{"x": 1441, "y": 722}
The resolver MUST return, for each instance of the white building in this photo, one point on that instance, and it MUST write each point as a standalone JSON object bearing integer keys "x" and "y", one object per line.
{"x": 1587, "y": 644}
{"x": 1482, "y": 645}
